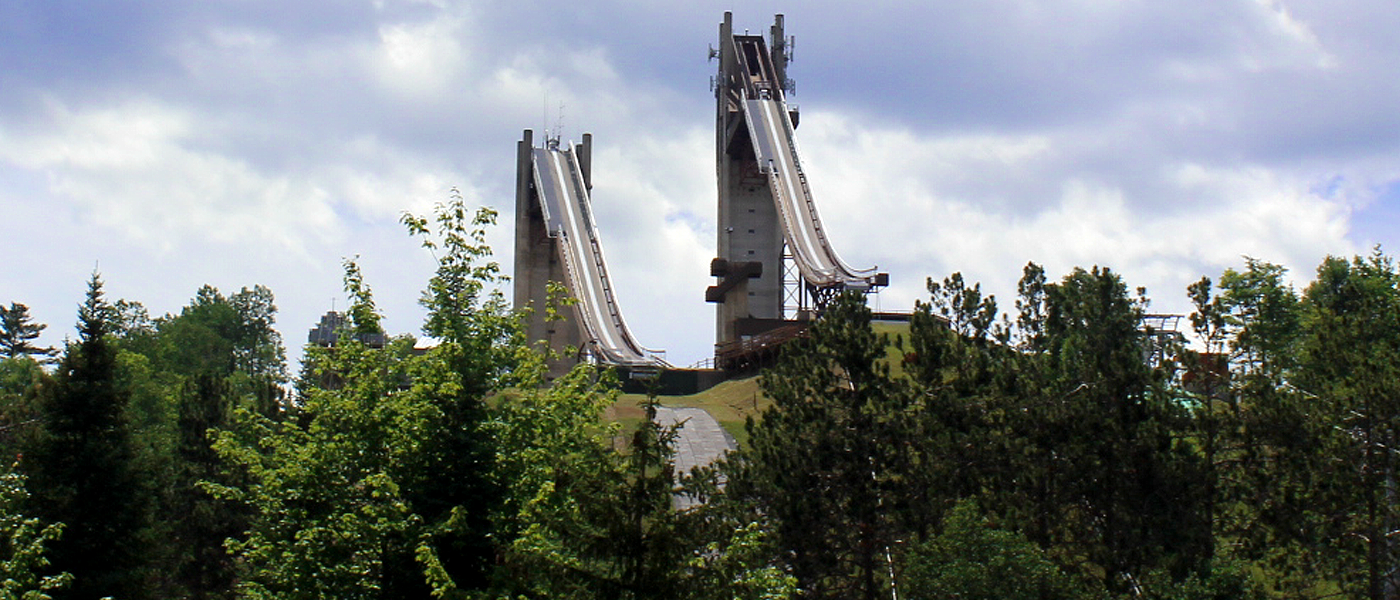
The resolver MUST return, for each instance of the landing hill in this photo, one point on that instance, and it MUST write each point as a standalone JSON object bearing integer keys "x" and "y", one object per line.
{"x": 734, "y": 401}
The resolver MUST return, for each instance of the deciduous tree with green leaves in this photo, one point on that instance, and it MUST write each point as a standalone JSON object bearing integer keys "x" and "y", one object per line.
{"x": 25, "y": 571}
{"x": 329, "y": 513}
{"x": 972, "y": 559}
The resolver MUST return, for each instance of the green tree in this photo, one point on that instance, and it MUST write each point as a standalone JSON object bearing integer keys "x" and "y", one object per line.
{"x": 827, "y": 462}
{"x": 1350, "y": 365}
{"x": 1271, "y": 478}
{"x": 972, "y": 559}
{"x": 1059, "y": 423}
{"x": 82, "y": 466}
{"x": 329, "y": 513}
{"x": 588, "y": 520}
{"x": 22, "y": 383}
{"x": 395, "y": 456}
{"x": 217, "y": 353}
{"x": 23, "y": 541}
{"x": 1134, "y": 488}
{"x": 199, "y": 523}
{"x": 18, "y": 332}
{"x": 956, "y": 356}
{"x": 480, "y": 343}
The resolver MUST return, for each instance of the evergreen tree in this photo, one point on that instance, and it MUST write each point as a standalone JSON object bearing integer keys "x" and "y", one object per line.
{"x": 1350, "y": 365}
{"x": 22, "y": 383}
{"x": 1134, "y": 483}
{"x": 1269, "y": 474}
{"x": 18, "y": 332}
{"x": 586, "y": 519}
{"x": 199, "y": 524}
{"x": 82, "y": 470}
{"x": 828, "y": 461}
{"x": 1059, "y": 423}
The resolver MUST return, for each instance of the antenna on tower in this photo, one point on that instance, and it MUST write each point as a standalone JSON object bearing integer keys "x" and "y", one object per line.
{"x": 559, "y": 123}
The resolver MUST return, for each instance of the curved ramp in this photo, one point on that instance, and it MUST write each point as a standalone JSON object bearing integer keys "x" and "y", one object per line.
{"x": 568, "y": 215}
{"x": 770, "y": 128}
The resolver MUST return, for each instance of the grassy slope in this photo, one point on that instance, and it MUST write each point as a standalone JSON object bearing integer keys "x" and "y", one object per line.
{"x": 732, "y": 402}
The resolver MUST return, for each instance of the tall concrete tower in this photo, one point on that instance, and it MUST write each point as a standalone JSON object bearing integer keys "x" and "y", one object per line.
{"x": 750, "y": 238}
{"x": 537, "y": 258}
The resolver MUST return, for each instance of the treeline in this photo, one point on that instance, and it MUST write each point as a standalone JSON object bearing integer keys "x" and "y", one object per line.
{"x": 1069, "y": 450}
{"x": 1065, "y": 449}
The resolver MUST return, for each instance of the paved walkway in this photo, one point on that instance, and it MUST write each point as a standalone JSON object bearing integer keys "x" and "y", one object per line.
{"x": 699, "y": 442}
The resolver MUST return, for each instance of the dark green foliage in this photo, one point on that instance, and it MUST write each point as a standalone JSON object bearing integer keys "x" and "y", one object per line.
{"x": 971, "y": 559}
{"x": 588, "y": 520}
{"x": 1223, "y": 580}
{"x": 828, "y": 462}
{"x": 82, "y": 467}
{"x": 201, "y": 523}
{"x": 18, "y": 332}
{"x": 1350, "y": 362}
{"x": 1059, "y": 423}
{"x": 22, "y": 382}
{"x": 1062, "y": 452}
{"x": 1134, "y": 482}
{"x": 185, "y": 373}
{"x": 1310, "y": 388}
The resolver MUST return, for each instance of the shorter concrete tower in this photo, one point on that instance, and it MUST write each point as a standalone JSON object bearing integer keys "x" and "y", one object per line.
{"x": 538, "y": 263}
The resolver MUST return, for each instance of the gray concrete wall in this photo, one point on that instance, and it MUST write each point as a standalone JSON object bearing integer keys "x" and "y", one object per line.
{"x": 537, "y": 263}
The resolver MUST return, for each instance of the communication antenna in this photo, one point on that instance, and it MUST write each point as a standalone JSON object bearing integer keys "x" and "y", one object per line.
{"x": 559, "y": 123}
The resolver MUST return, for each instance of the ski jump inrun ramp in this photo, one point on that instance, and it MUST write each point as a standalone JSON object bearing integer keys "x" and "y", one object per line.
{"x": 766, "y": 216}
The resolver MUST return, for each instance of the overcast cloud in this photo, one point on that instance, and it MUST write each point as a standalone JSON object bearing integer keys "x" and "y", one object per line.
{"x": 173, "y": 144}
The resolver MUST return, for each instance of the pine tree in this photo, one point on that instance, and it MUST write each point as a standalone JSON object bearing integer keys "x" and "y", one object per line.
{"x": 1131, "y": 493}
{"x": 200, "y": 523}
{"x": 18, "y": 332}
{"x": 81, "y": 468}
{"x": 1350, "y": 365}
{"x": 827, "y": 463}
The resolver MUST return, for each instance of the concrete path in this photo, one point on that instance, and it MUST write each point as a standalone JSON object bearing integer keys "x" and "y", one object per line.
{"x": 699, "y": 442}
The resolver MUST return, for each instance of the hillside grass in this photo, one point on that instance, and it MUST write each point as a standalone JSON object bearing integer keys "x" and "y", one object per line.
{"x": 734, "y": 401}
{"x": 731, "y": 403}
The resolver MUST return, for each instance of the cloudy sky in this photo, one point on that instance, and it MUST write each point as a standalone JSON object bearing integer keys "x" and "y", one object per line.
{"x": 172, "y": 144}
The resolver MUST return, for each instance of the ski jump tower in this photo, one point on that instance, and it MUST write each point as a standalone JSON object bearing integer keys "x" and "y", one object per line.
{"x": 556, "y": 241}
{"x": 774, "y": 262}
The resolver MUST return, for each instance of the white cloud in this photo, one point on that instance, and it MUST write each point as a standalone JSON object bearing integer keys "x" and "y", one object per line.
{"x": 923, "y": 206}
{"x": 1163, "y": 140}
{"x": 422, "y": 59}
